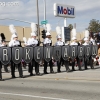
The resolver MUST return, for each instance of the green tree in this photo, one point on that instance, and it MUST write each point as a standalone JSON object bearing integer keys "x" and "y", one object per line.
{"x": 94, "y": 26}
{"x": 70, "y": 26}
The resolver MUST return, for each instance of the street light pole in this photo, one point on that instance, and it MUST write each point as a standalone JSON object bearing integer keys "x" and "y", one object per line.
{"x": 23, "y": 31}
{"x": 44, "y": 9}
{"x": 38, "y": 28}
{"x": 44, "y": 12}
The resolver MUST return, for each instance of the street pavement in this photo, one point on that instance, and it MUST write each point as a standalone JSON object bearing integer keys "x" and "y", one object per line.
{"x": 77, "y": 85}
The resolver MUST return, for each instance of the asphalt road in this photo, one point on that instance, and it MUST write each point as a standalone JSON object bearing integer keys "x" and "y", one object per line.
{"x": 78, "y": 85}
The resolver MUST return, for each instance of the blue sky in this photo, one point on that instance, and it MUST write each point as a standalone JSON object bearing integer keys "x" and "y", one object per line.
{"x": 26, "y": 10}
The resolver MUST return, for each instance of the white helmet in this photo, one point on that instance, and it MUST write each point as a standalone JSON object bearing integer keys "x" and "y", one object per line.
{"x": 73, "y": 38}
{"x": 33, "y": 34}
{"x": 58, "y": 36}
{"x": 14, "y": 35}
{"x": 48, "y": 33}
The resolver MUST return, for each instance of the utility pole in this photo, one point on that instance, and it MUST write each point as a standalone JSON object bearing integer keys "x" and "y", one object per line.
{"x": 38, "y": 27}
{"x": 44, "y": 12}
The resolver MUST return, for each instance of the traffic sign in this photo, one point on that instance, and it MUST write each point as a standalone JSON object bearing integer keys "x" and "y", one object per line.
{"x": 44, "y": 22}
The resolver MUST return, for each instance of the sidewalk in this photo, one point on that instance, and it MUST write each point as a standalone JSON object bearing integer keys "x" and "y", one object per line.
{"x": 90, "y": 74}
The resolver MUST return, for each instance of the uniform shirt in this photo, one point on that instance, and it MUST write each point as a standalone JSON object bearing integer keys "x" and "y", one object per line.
{"x": 59, "y": 43}
{"x": 28, "y": 41}
{"x": 85, "y": 43}
{"x": 79, "y": 43}
{"x": 47, "y": 42}
{"x": 66, "y": 44}
{"x": 93, "y": 41}
{"x": 2, "y": 45}
{"x": 74, "y": 43}
{"x": 25, "y": 44}
{"x": 32, "y": 42}
{"x": 13, "y": 43}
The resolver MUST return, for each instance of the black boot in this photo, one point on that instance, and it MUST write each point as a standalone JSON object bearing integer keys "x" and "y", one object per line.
{"x": 45, "y": 72}
{"x": 38, "y": 73}
{"x": 21, "y": 76}
{"x": 13, "y": 76}
{"x": 51, "y": 70}
{"x": 68, "y": 70}
{"x": 58, "y": 70}
{"x": 1, "y": 79}
{"x": 31, "y": 74}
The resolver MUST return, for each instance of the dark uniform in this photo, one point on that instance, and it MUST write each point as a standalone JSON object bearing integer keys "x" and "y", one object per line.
{"x": 86, "y": 60}
{"x": 79, "y": 61}
{"x": 66, "y": 63}
{"x": 48, "y": 42}
{"x": 73, "y": 62}
{"x": 59, "y": 43}
{"x": 5, "y": 66}
{"x": 2, "y": 45}
{"x": 33, "y": 42}
{"x": 14, "y": 43}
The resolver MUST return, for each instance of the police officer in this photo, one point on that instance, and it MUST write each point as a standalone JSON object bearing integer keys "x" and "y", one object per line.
{"x": 86, "y": 39}
{"x": 13, "y": 43}
{"x": 48, "y": 42}
{"x": 33, "y": 42}
{"x": 74, "y": 42}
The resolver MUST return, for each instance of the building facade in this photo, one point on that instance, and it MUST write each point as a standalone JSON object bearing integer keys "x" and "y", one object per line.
{"x": 25, "y": 32}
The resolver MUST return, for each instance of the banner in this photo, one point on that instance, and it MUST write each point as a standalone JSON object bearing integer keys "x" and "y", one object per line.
{"x": 5, "y": 55}
{"x": 48, "y": 53}
{"x": 65, "y": 52}
{"x": 94, "y": 50}
{"x": 80, "y": 52}
{"x": 73, "y": 51}
{"x": 57, "y": 53}
{"x": 16, "y": 54}
{"x": 87, "y": 51}
{"x": 38, "y": 53}
{"x": 28, "y": 54}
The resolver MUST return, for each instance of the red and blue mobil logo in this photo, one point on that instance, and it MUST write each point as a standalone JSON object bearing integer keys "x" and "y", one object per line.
{"x": 66, "y": 10}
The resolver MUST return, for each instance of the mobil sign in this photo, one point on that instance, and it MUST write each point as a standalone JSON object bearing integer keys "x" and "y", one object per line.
{"x": 65, "y": 11}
